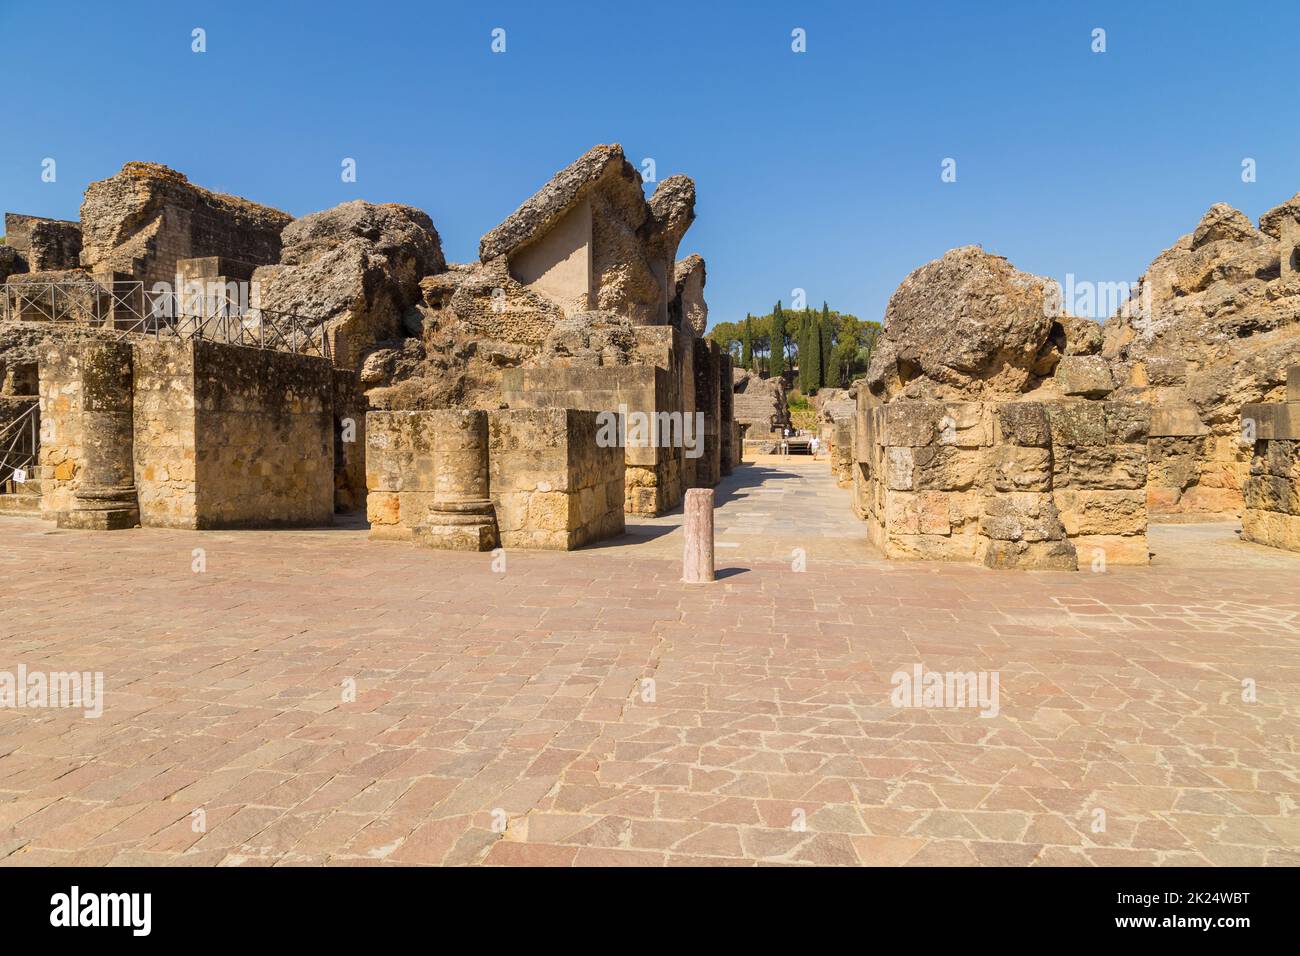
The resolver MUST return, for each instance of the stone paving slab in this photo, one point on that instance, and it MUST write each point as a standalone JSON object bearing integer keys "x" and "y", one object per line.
{"x": 588, "y": 709}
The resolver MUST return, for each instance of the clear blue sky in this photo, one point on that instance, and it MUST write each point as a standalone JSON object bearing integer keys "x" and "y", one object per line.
{"x": 817, "y": 170}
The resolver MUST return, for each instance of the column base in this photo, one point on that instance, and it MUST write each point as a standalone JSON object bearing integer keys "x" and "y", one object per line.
{"x": 466, "y": 526}
{"x": 108, "y": 509}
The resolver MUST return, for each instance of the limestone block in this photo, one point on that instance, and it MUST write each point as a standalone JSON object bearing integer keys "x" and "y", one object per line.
{"x": 1165, "y": 371}
{"x": 1031, "y": 555}
{"x": 1108, "y": 466}
{"x": 1028, "y": 516}
{"x": 1273, "y": 493}
{"x": 1021, "y": 469}
{"x": 1102, "y": 512}
{"x": 899, "y": 468}
{"x": 1087, "y": 376}
{"x": 945, "y": 468}
{"x": 1293, "y": 384}
{"x": 1023, "y": 423}
{"x": 912, "y": 424}
{"x": 1078, "y": 423}
{"x": 1176, "y": 421}
{"x": 1280, "y": 420}
{"x": 1271, "y": 528}
{"x": 1127, "y": 422}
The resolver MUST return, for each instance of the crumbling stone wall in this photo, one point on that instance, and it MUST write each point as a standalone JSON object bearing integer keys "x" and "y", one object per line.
{"x": 165, "y": 440}
{"x": 42, "y": 244}
{"x": 1272, "y": 491}
{"x": 140, "y": 222}
{"x": 1009, "y": 484}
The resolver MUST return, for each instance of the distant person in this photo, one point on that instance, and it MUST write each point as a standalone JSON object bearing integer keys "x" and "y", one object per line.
{"x": 816, "y": 445}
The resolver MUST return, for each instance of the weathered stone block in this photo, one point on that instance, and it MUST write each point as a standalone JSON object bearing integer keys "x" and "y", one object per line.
{"x": 1078, "y": 423}
{"x": 1165, "y": 370}
{"x": 1176, "y": 421}
{"x": 1024, "y": 423}
{"x": 1087, "y": 376}
{"x": 1127, "y": 422}
{"x": 1021, "y": 469}
{"x": 912, "y": 424}
{"x": 1273, "y": 421}
{"x": 945, "y": 468}
{"x": 1102, "y": 512}
{"x": 1108, "y": 466}
{"x": 1031, "y": 556}
{"x": 899, "y": 468}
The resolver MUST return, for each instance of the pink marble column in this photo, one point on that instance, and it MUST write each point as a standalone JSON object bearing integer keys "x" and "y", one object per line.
{"x": 697, "y": 561}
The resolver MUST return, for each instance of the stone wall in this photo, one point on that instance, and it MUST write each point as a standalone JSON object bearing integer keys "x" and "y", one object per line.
{"x": 727, "y": 444}
{"x": 165, "y": 435}
{"x": 551, "y": 486}
{"x": 654, "y": 471}
{"x": 1009, "y": 484}
{"x": 194, "y": 434}
{"x": 708, "y": 402}
{"x": 264, "y": 435}
{"x": 759, "y": 404}
{"x": 1272, "y": 490}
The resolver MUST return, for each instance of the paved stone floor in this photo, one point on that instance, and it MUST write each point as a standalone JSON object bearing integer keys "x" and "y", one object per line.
{"x": 598, "y": 712}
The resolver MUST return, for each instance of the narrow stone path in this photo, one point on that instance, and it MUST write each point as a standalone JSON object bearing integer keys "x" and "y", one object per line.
{"x": 773, "y": 510}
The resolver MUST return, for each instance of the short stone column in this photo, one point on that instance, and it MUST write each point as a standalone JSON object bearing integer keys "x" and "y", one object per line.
{"x": 461, "y": 517}
{"x": 95, "y": 422}
{"x": 697, "y": 559}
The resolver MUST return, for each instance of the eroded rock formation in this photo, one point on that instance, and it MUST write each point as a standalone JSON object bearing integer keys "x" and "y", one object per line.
{"x": 357, "y": 269}
{"x": 1214, "y": 326}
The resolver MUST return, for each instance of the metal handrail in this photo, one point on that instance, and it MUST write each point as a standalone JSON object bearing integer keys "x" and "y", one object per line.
{"x": 19, "y": 448}
{"x": 128, "y": 309}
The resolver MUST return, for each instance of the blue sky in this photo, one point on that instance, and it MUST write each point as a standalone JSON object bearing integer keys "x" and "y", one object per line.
{"x": 818, "y": 170}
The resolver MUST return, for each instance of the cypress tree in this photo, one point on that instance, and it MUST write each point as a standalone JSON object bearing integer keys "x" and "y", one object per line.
{"x": 814, "y": 350}
{"x": 827, "y": 348}
{"x": 747, "y": 343}
{"x": 778, "y": 342}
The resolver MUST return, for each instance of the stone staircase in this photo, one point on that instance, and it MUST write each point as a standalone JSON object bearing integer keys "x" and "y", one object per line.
{"x": 21, "y": 499}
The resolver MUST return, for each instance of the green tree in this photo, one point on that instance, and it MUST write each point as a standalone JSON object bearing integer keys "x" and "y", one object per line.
{"x": 826, "y": 330}
{"x": 747, "y": 343}
{"x": 777, "y": 345}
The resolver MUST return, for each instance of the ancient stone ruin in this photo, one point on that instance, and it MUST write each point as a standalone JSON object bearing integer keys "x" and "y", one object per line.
{"x": 995, "y": 426}
{"x": 1272, "y": 434}
{"x": 197, "y": 360}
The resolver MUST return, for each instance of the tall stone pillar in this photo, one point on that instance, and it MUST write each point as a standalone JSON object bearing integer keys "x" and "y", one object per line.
{"x": 88, "y": 393}
{"x": 461, "y": 517}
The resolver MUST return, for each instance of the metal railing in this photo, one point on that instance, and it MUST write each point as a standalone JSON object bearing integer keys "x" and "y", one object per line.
{"x": 127, "y": 308}
{"x": 20, "y": 444}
